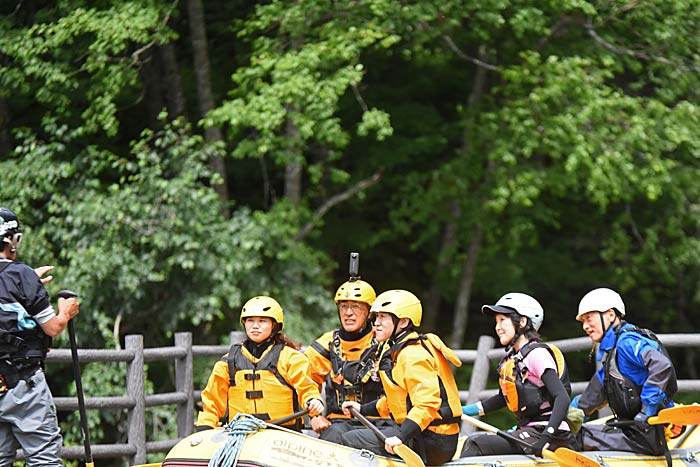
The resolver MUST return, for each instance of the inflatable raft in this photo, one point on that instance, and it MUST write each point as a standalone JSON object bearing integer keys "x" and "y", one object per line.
{"x": 272, "y": 446}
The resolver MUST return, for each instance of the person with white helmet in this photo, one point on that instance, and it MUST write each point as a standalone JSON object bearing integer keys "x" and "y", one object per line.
{"x": 265, "y": 376}
{"x": 533, "y": 383}
{"x": 636, "y": 378}
{"x": 345, "y": 359}
{"x": 420, "y": 390}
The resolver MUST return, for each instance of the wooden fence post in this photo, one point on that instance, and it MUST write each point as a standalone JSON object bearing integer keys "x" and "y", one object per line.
{"x": 184, "y": 382}
{"x": 134, "y": 389}
{"x": 480, "y": 374}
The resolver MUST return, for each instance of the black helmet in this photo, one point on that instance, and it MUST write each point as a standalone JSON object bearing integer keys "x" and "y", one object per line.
{"x": 10, "y": 229}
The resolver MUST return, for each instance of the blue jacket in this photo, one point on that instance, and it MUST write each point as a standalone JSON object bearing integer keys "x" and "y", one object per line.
{"x": 639, "y": 359}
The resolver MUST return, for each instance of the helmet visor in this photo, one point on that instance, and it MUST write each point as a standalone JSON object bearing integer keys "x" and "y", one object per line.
{"x": 492, "y": 309}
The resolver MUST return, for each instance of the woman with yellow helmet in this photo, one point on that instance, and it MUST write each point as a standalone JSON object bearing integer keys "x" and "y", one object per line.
{"x": 265, "y": 376}
{"x": 420, "y": 391}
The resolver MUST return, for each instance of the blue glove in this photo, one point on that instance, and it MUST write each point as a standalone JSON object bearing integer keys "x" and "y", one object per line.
{"x": 471, "y": 410}
{"x": 640, "y": 421}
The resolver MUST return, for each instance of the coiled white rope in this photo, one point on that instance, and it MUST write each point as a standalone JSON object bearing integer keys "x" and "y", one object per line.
{"x": 241, "y": 426}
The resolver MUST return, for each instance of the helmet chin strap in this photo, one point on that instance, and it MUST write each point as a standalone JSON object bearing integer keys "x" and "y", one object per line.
{"x": 397, "y": 332}
{"x": 13, "y": 241}
{"x": 519, "y": 331}
{"x": 602, "y": 322}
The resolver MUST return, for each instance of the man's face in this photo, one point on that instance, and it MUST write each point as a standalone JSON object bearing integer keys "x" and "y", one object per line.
{"x": 353, "y": 314}
{"x": 594, "y": 323}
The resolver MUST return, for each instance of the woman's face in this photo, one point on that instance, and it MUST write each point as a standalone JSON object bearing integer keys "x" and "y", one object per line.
{"x": 504, "y": 329}
{"x": 383, "y": 326}
{"x": 258, "y": 328}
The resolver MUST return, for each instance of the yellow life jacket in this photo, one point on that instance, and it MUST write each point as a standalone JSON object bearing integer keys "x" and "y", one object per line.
{"x": 257, "y": 388}
{"x": 522, "y": 397}
{"x": 399, "y": 402}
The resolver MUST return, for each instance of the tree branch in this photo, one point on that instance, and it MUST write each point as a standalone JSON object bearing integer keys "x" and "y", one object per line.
{"x": 337, "y": 199}
{"x": 466, "y": 57}
{"x": 358, "y": 97}
{"x": 634, "y": 53}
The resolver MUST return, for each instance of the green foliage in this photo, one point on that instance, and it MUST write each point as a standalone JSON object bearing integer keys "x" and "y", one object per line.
{"x": 76, "y": 61}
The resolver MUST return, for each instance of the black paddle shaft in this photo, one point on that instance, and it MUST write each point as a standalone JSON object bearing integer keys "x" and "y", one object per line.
{"x": 78, "y": 380}
{"x": 367, "y": 423}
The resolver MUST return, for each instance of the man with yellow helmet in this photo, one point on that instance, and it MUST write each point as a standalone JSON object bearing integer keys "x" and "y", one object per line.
{"x": 265, "y": 376}
{"x": 420, "y": 390}
{"x": 345, "y": 360}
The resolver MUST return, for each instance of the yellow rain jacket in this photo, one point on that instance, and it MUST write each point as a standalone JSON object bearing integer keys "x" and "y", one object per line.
{"x": 273, "y": 386}
{"x": 419, "y": 384}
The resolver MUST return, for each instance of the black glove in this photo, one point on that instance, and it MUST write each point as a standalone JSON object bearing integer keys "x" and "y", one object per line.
{"x": 640, "y": 421}
{"x": 199, "y": 428}
{"x": 542, "y": 443}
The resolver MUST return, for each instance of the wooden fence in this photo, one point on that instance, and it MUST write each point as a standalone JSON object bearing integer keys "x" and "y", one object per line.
{"x": 184, "y": 352}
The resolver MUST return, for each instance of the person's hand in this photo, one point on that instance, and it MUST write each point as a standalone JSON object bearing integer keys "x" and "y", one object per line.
{"x": 641, "y": 421}
{"x": 69, "y": 307}
{"x": 541, "y": 443}
{"x": 41, "y": 270}
{"x": 319, "y": 424}
{"x": 471, "y": 410}
{"x": 315, "y": 407}
{"x": 391, "y": 442}
{"x": 353, "y": 404}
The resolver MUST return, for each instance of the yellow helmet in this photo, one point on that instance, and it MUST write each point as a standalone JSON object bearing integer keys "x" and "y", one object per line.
{"x": 266, "y": 307}
{"x": 359, "y": 291}
{"x": 400, "y": 303}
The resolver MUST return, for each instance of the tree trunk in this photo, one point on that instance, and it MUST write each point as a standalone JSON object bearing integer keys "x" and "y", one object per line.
{"x": 174, "y": 94}
{"x": 449, "y": 238}
{"x": 153, "y": 93}
{"x": 451, "y": 230}
{"x": 461, "y": 314}
{"x": 293, "y": 170}
{"x": 204, "y": 91}
{"x": 4, "y": 124}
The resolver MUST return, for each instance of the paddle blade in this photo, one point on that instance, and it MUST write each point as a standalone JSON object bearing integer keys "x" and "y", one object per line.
{"x": 565, "y": 457}
{"x": 678, "y": 415}
{"x": 409, "y": 456}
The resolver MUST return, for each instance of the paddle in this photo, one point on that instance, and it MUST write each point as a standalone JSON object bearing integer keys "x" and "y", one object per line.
{"x": 289, "y": 418}
{"x": 678, "y": 415}
{"x": 78, "y": 382}
{"x": 563, "y": 456}
{"x": 408, "y": 455}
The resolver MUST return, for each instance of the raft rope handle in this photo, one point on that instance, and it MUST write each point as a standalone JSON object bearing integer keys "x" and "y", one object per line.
{"x": 238, "y": 429}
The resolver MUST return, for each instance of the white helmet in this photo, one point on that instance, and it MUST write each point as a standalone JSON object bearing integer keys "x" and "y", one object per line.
{"x": 522, "y": 303}
{"x": 600, "y": 300}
